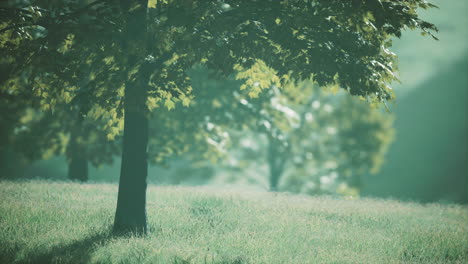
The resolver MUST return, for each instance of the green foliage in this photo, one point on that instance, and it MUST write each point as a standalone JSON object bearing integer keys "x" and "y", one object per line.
{"x": 336, "y": 41}
{"x": 205, "y": 225}
{"x": 82, "y": 56}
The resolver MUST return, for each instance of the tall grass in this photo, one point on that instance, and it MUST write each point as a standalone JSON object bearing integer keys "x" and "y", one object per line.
{"x": 47, "y": 222}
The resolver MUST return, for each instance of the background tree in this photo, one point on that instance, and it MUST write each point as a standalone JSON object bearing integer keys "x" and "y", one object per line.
{"x": 311, "y": 135}
{"x": 38, "y": 133}
{"x": 12, "y": 110}
{"x": 80, "y": 139}
{"x": 340, "y": 140}
{"x": 147, "y": 52}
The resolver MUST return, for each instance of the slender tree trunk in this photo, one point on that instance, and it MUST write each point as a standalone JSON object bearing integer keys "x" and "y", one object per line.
{"x": 130, "y": 216}
{"x": 77, "y": 154}
{"x": 77, "y": 162}
{"x": 276, "y": 161}
{"x": 275, "y": 175}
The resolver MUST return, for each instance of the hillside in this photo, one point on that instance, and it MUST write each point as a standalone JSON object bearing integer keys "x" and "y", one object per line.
{"x": 50, "y": 222}
{"x": 429, "y": 159}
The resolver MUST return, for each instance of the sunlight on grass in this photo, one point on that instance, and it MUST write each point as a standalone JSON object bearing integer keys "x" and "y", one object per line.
{"x": 44, "y": 222}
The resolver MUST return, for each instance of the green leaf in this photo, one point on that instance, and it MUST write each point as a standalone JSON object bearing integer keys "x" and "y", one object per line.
{"x": 169, "y": 104}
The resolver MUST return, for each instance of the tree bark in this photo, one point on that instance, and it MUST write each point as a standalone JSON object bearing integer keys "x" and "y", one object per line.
{"x": 130, "y": 216}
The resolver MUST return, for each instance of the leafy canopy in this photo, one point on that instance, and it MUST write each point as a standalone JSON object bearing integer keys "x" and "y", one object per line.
{"x": 68, "y": 48}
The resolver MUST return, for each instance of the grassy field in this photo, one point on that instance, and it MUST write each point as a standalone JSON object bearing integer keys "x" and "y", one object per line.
{"x": 47, "y": 222}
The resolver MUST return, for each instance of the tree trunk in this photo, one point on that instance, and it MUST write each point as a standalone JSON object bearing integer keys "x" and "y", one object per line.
{"x": 276, "y": 161}
{"x": 76, "y": 154}
{"x": 130, "y": 216}
{"x": 77, "y": 164}
{"x": 275, "y": 175}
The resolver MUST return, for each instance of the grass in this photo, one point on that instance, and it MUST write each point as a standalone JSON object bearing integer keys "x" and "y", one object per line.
{"x": 51, "y": 222}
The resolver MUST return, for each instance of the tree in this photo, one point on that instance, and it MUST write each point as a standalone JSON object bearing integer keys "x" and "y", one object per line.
{"x": 80, "y": 139}
{"x": 339, "y": 140}
{"x": 146, "y": 52}
{"x": 38, "y": 133}
{"x": 11, "y": 112}
{"x": 308, "y": 134}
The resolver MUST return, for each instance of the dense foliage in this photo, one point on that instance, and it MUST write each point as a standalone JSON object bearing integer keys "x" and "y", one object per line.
{"x": 76, "y": 48}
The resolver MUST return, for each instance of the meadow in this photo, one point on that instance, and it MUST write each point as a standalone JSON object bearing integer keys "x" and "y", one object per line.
{"x": 66, "y": 222}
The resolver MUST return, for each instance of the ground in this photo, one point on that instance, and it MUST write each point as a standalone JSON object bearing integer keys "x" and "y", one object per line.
{"x": 64, "y": 222}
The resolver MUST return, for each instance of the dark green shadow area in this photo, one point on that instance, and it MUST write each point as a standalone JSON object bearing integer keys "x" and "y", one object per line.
{"x": 79, "y": 251}
{"x": 429, "y": 160}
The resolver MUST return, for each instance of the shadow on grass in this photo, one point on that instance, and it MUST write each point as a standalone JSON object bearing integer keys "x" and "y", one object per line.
{"x": 75, "y": 252}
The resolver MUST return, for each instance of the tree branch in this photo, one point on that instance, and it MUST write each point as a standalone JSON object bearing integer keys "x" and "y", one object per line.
{"x": 86, "y": 7}
{"x": 18, "y": 25}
